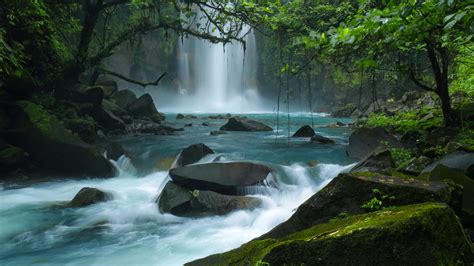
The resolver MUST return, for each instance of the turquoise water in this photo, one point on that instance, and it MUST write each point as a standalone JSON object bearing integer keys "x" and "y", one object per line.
{"x": 35, "y": 228}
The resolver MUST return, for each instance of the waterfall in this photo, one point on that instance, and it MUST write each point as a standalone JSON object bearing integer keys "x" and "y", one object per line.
{"x": 215, "y": 77}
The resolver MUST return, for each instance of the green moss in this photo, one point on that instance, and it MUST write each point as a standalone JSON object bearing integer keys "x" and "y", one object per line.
{"x": 406, "y": 121}
{"x": 46, "y": 123}
{"x": 391, "y": 172}
{"x": 370, "y": 226}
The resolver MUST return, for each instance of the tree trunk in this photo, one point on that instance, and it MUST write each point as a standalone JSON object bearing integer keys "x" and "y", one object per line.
{"x": 440, "y": 72}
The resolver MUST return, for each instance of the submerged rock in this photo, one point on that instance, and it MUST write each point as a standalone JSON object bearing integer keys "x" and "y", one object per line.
{"x": 225, "y": 178}
{"x": 88, "y": 196}
{"x": 407, "y": 235}
{"x": 53, "y": 147}
{"x": 304, "y": 131}
{"x": 179, "y": 116}
{"x": 193, "y": 154}
{"x": 182, "y": 202}
{"x": 217, "y": 133}
{"x": 244, "y": 124}
{"x": 363, "y": 141}
{"x": 320, "y": 139}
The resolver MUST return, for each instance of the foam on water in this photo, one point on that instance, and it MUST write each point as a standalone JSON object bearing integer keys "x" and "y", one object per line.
{"x": 129, "y": 229}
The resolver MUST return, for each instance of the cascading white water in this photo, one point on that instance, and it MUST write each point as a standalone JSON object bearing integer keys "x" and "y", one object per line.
{"x": 215, "y": 77}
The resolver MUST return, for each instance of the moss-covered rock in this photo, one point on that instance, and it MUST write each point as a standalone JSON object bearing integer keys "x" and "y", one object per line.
{"x": 52, "y": 147}
{"x": 407, "y": 235}
{"x": 345, "y": 111}
{"x": 12, "y": 157}
{"x": 348, "y": 192}
{"x": 456, "y": 176}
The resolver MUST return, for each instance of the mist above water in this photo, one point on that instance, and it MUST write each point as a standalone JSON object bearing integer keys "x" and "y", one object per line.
{"x": 215, "y": 78}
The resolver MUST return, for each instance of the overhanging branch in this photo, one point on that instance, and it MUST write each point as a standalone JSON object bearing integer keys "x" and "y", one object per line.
{"x": 418, "y": 83}
{"x": 120, "y": 76}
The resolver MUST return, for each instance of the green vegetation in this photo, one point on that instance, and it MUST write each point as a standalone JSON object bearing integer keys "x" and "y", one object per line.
{"x": 379, "y": 201}
{"x": 320, "y": 241}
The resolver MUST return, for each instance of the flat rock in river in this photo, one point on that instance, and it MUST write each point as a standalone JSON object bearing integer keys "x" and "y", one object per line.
{"x": 225, "y": 178}
{"x": 244, "y": 124}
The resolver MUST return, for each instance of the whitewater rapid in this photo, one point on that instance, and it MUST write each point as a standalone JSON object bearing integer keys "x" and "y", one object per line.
{"x": 36, "y": 229}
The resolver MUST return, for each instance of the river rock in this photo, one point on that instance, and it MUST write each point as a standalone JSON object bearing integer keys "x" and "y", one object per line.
{"x": 193, "y": 154}
{"x": 114, "y": 150}
{"x": 182, "y": 202}
{"x": 459, "y": 160}
{"x": 124, "y": 98}
{"x": 88, "y": 196}
{"x": 348, "y": 192}
{"x": 415, "y": 165}
{"x": 363, "y": 141}
{"x": 114, "y": 108}
{"x": 142, "y": 107}
{"x": 378, "y": 160}
{"x": 179, "y": 116}
{"x": 53, "y": 147}
{"x": 244, "y": 124}
{"x": 205, "y": 124}
{"x": 225, "y": 178}
{"x": 406, "y": 235}
{"x": 304, "y": 131}
{"x": 109, "y": 120}
{"x": 321, "y": 139}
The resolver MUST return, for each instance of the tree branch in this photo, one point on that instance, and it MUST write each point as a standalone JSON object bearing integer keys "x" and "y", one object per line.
{"x": 418, "y": 83}
{"x": 120, "y": 76}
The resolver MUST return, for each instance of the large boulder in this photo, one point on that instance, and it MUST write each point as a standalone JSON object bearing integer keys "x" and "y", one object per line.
{"x": 459, "y": 160}
{"x": 182, "y": 202}
{"x": 244, "y": 124}
{"x": 114, "y": 150}
{"x": 88, "y": 196}
{"x": 142, "y": 107}
{"x": 378, "y": 160}
{"x": 113, "y": 107}
{"x": 12, "y": 157}
{"x": 304, "y": 131}
{"x": 363, "y": 141}
{"x": 53, "y": 147}
{"x": 124, "y": 98}
{"x": 347, "y": 193}
{"x": 193, "y": 154}
{"x": 420, "y": 234}
{"x": 465, "y": 208}
{"x": 225, "y": 178}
